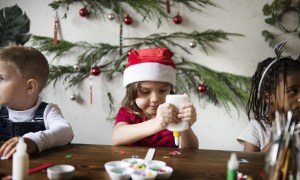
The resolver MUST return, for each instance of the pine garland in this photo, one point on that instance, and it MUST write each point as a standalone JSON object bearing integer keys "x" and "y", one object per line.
{"x": 148, "y": 9}
{"x": 223, "y": 87}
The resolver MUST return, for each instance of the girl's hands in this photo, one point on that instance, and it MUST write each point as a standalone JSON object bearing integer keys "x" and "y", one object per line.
{"x": 188, "y": 113}
{"x": 166, "y": 113}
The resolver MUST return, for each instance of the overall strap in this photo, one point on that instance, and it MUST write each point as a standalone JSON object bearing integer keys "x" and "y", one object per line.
{"x": 39, "y": 114}
{"x": 3, "y": 112}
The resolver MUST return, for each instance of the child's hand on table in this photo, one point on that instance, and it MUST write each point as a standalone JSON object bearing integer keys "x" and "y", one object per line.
{"x": 9, "y": 147}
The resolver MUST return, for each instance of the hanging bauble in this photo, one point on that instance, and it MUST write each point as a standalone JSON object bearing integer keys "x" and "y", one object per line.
{"x": 127, "y": 20}
{"x": 111, "y": 16}
{"x": 129, "y": 52}
{"x": 201, "y": 88}
{"x": 193, "y": 44}
{"x": 95, "y": 71}
{"x": 177, "y": 19}
{"x": 83, "y": 12}
{"x": 76, "y": 67}
{"x": 73, "y": 97}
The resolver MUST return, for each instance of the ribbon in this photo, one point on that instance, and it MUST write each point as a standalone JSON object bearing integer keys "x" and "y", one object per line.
{"x": 168, "y": 6}
{"x": 56, "y": 24}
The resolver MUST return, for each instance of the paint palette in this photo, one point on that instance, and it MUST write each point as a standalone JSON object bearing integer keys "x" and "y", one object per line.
{"x": 138, "y": 169}
{"x": 163, "y": 172}
{"x": 115, "y": 164}
{"x": 143, "y": 174}
{"x": 119, "y": 173}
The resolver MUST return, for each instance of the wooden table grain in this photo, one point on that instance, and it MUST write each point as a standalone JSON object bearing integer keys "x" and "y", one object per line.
{"x": 89, "y": 160}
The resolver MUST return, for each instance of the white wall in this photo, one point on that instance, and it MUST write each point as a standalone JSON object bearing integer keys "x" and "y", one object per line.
{"x": 215, "y": 128}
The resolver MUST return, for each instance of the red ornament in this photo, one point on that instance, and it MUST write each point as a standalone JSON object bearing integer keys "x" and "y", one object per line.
{"x": 83, "y": 12}
{"x": 129, "y": 52}
{"x": 127, "y": 20}
{"x": 95, "y": 71}
{"x": 201, "y": 88}
{"x": 177, "y": 19}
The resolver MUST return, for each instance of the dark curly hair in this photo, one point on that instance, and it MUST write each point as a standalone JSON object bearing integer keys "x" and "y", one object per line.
{"x": 259, "y": 103}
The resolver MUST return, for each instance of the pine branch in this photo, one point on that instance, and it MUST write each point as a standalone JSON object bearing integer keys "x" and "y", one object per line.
{"x": 45, "y": 44}
{"x": 93, "y": 54}
{"x": 223, "y": 87}
{"x": 204, "y": 39}
{"x": 148, "y": 9}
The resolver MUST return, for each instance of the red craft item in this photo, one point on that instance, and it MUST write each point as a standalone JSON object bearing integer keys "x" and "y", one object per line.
{"x": 127, "y": 20}
{"x": 83, "y": 12}
{"x": 174, "y": 153}
{"x": 177, "y": 19}
{"x": 201, "y": 88}
{"x": 39, "y": 168}
{"x": 120, "y": 152}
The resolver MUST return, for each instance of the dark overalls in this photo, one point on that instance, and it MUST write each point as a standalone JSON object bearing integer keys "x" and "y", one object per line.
{"x": 9, "y": 129}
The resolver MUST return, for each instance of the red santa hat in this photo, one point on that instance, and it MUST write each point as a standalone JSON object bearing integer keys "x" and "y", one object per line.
{"x": 152, "y": 64}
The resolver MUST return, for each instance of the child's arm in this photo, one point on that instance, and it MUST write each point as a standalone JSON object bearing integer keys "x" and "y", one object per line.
{"x": 124, "y": 133}
{"x": 58, "y": 130}
{"x": 9, "y": 147}
{"x": 188, "y": 138}
{"x": 248, "y": 147}
{"x": 266, "y": 148}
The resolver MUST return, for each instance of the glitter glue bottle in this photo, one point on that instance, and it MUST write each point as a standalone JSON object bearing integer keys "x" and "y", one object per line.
{"x": 177, "y": 100}
{"x": 20, "y": 161}
{"x": 232, "y": 167}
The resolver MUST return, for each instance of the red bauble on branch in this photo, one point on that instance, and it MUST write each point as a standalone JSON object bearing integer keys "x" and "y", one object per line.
{"x": 129, "y": 52}
{"x": 201, "y": 88}
{"x": 83, "y": 12}
{"x": 177, "y": 19}
{"x": 127, "y": 20}
{"x": 95, "y": 71}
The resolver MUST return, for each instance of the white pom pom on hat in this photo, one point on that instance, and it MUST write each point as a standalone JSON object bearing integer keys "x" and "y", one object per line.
{"x": 152, "y": 64}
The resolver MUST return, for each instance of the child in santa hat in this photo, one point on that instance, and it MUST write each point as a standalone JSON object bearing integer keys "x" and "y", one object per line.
{"x": 144, "y": 116}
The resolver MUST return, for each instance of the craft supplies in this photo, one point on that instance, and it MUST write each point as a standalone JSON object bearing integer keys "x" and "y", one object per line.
{"x": 39, "y": 168}
{"x": 163, "y": 172}
{"x": 150, "y": 154}
{"x": 119, "y": 173}
{"x": 115, "y": 164}
{"x": 138, "y": 168}
{"x": 60, "y": 172}
{"x": 177, "y": 100}
{"x": 144, "y": 174}
{"x": 20, "y": 161}
{"x": 232, "y": 167}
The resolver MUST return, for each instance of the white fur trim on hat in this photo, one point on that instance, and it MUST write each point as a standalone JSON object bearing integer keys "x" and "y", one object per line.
{"x": 149, "y": 72}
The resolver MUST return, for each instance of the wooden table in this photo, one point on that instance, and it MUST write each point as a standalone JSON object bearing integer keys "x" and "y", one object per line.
{"x": 89, "y": 160}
